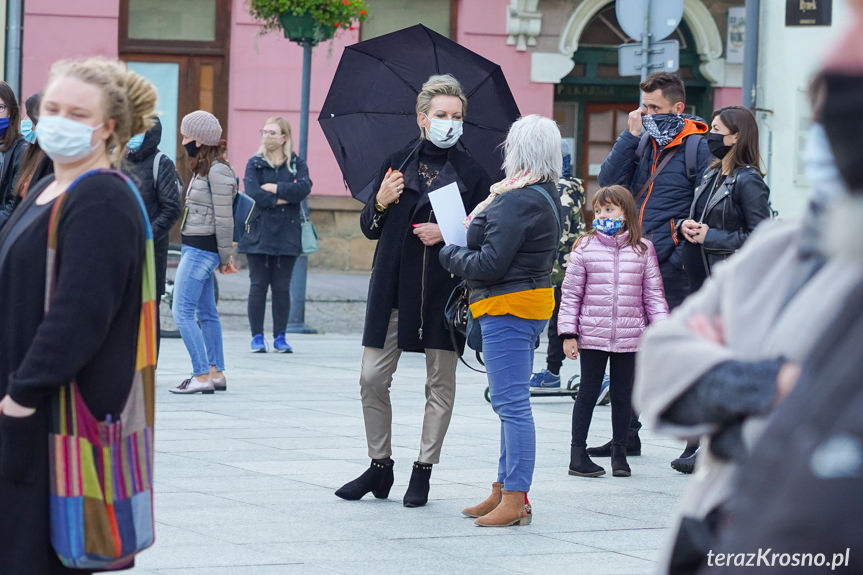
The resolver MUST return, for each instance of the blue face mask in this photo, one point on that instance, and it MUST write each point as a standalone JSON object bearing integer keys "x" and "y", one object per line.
{"x": 135, "y": 142}
{"x": 27, "y": 131}
{"x": 66, "y": 141}
{"x": 608, "y": 226}
{"x": 4, "y": 125}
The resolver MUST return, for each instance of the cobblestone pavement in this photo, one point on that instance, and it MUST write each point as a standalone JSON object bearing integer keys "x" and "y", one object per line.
{"x": 245, "y": 479}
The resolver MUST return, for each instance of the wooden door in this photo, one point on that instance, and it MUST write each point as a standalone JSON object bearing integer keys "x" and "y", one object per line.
{"x": 603, "y": 123}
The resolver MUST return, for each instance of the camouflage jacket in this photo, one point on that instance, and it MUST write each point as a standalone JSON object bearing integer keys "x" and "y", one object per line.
{"x": 571, "y": 199}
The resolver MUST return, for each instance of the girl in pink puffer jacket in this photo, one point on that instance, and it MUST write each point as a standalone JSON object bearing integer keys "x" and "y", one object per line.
{"x": 611, "y": 291}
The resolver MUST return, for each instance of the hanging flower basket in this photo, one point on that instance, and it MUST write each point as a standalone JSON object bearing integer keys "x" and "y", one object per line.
{"x": 304, "y": 28}
{"x": 308, "y": 20}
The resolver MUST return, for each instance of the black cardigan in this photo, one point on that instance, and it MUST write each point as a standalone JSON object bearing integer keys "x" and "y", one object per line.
{"x": 89, "y": 335}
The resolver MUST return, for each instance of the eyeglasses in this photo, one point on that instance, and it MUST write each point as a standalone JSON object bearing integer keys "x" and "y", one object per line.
{"x": 269, "y": 133}
{"x": 3, "y": 107}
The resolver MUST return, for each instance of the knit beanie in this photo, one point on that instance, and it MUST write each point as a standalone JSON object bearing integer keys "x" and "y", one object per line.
{"x": 202, "y": 127}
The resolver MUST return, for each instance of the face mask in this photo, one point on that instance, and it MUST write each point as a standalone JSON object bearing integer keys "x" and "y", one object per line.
{"x": 716, "y": 144}
{"x": 27, "y": 131}
{"x": 272, "y": 144}
{"x": 842, "y": 123}
{"x": 444, "y": 133}
{"x": 135, "y": 142}
{"x": 4, "y": 125}
{"x": 663, "y": 127}
{"x": 608, "y": 226}
{"x": 191, "y": 148}
{"x": 66, "y": 141}
{"x": 820, "y": 169}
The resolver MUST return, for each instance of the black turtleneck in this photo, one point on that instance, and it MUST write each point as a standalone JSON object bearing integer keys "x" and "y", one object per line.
{"x": 431, "y": 160}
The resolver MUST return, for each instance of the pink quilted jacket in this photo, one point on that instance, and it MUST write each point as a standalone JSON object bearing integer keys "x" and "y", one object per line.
{"x": 609, "y": 293}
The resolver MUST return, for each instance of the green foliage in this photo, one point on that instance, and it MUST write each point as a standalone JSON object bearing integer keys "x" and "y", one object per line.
{"x": 337, "y": 14}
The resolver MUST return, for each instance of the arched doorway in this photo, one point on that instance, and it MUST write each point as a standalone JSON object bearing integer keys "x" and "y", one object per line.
{"x": 592, "y": 102}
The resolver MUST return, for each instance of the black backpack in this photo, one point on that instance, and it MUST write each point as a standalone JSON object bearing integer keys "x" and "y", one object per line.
{"x": 690, "y": 154}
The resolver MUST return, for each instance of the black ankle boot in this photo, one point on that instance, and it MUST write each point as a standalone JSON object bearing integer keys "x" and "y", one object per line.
{"x": 417, "y": 494}
{"x": 633, "y": 446}
{"x": 686, "y": 462}
{"x": 581, "y": 465}
{"x": 378, "y": 479}
{"x": 619, "y": 466}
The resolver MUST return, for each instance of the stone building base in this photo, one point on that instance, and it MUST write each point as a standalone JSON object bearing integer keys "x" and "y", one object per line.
{"x": 342, "y": 244}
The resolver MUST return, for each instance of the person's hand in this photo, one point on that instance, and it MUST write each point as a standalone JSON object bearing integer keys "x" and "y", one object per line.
{"x": 272, "y": 188}
{"x": 786, "y": 379}
{"x": 710, "y": 329}
{"x": 228, "y": 268}
{"x": 694, "y": 232}
{"x": 634, "y": 122}
{"x": 281, "y": 202}
{"x": 429, "y": 234}
{"x": 391, "y": 188}
{"x": 570, "y": 348}
{"x": 10, "y": 408}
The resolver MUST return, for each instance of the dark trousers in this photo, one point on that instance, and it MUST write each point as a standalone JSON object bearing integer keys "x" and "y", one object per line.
{"x": 267, "y": 272}
{"x": 160, "y": 256}
{"x": 676, "y": 284}
{"x": 555, "y": 357}
{"x": 593, "y": 364}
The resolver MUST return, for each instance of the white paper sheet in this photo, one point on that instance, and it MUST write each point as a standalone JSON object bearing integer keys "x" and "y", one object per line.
{"x": 449, "y": 212}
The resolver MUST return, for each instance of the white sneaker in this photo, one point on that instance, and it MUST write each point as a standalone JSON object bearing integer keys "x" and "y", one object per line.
{"x": 192, "y": 385}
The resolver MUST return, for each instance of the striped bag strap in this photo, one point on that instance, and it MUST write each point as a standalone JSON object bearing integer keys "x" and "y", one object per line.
{"x": 140, "y": 406}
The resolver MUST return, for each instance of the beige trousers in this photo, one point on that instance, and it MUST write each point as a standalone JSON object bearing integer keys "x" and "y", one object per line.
{"x": 376, "y": 377}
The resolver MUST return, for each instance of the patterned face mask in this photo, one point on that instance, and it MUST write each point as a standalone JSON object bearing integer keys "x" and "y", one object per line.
{"x": 662, "y": 127}
{"x": 608, "y": 226}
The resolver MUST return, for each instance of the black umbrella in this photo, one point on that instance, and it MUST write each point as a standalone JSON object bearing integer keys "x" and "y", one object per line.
{"x": 370, "y": 110}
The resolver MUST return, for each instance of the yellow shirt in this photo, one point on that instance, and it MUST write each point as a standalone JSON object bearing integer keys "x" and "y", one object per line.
{"x": 528, "y": 304}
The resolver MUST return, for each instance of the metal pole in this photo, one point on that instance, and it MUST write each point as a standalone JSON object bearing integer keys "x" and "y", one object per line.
{"x": 645, "y": 42}
{"x": 14, "y": 20}
{"x": 750, "y": 53}
{"x": 297, "y": 317}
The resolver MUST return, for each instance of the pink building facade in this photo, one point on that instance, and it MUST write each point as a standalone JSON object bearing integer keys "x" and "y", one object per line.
{"x": 550, "y": 52}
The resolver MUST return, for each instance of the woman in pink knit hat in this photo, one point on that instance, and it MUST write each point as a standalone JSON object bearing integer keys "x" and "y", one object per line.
{"x": 207, "y": 232}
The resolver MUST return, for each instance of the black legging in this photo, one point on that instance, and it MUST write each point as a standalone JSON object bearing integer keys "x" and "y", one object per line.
{"x": 555, "y": 357}
{"x": 269, "y": 272}
{"x": 593, "y": 364}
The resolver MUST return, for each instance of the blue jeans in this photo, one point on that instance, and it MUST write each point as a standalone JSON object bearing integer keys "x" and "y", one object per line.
{"x": 194, "y": 304}
{"x": 508, "y": 343}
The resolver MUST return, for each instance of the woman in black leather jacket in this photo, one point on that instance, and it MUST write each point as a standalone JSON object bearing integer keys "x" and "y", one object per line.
{"x": 731, "y": 199}
{"x": 512, "y": 242}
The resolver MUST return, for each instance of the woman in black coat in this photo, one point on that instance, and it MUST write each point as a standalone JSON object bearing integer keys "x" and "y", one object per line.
{"x": 12, "y": 147}
{"x": 409, "y": 288}
{"x": 161, "y": 196}
{"x": 278, "y": 180}
{"x": 731, "y": 199}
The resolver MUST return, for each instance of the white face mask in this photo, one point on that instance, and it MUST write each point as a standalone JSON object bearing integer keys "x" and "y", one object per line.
{"x": 65, "y": 141}
{"x": 444, "y": 133}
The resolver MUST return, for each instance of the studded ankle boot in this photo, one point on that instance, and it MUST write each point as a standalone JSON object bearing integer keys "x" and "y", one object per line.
{"x": 417, "y": 494}
{"x": 378, "y": 479}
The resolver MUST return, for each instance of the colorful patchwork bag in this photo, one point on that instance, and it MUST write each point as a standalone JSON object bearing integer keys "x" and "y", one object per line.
{"x": 102, "y": 471}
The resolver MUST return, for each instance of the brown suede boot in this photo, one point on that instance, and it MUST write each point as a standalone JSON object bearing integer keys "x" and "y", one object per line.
{"x": 486, "y": 506}
{"x": 514, "y": 509}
